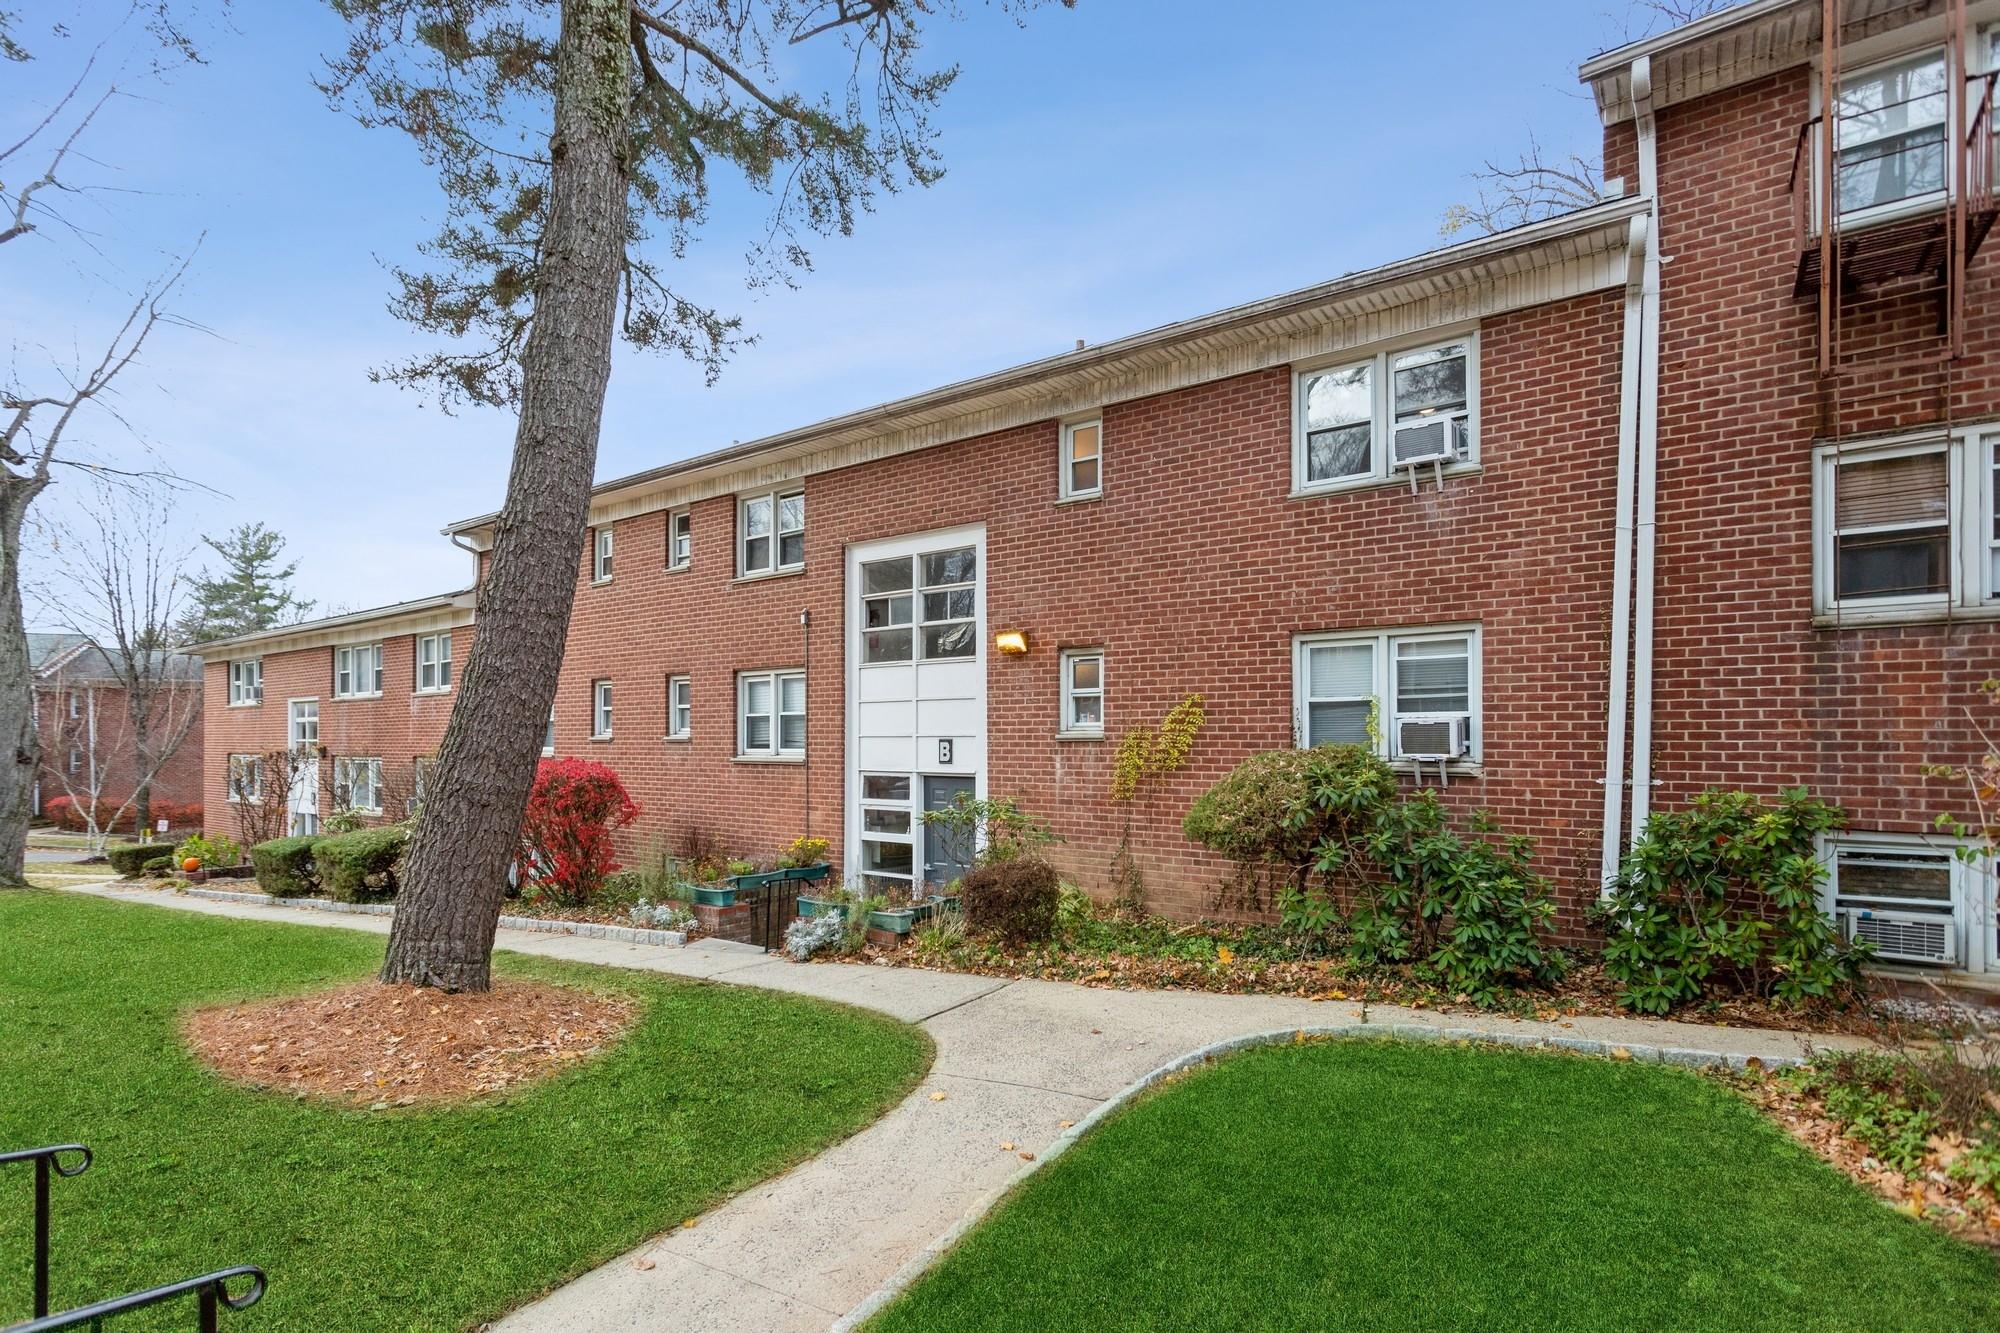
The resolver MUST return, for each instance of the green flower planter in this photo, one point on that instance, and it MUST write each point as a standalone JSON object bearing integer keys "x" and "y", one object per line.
{"x": 897, "y": 921}
{"x": 811, "y": 907}
{"x": 723, "y": 897}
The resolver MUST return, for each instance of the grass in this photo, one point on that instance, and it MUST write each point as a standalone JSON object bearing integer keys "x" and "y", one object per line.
{"x": 1402, "y": 1186}
{"x": 405, "y": 1219}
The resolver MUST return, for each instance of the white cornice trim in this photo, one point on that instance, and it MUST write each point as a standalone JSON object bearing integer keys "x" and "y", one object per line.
{"x": 422, "y": 616}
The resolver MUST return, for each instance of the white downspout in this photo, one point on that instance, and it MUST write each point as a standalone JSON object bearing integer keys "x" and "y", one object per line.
{"x": 1636, "y": 246}
{"x": 1649, "y": 453}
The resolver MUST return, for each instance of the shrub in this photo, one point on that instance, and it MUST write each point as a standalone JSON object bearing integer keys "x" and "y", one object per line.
{"x": 1726, "y": 894}
{"x": 812, "y": 934}
{"x": 803, "y": 852}
{"x": 1278, "y": 809}
{"x": 649, "y": 915}
{"x": 220, "y": 850}
{"x": 130, "y": 859}
{"x": 159, "y": 867}
{"x": 574, "y": 808}
{"x": 178, "y": 814}
{"x": 285, "y": 867}
{"x": 1016, "y": 900}
{"x": 361, "y": 866}
{"x": 1003, "y": 831}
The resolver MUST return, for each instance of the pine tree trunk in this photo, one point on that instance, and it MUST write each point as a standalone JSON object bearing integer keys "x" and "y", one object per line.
{"x": 21, "y": 757}
{"x": 449, "y": 904}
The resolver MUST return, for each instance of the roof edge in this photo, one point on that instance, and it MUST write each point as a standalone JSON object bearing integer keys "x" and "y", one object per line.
{"x": 1610, "y": 62}
{"x": 435, "y": 602}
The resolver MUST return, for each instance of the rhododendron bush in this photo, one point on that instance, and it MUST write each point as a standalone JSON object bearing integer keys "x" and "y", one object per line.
{"x": 566, "y": 835}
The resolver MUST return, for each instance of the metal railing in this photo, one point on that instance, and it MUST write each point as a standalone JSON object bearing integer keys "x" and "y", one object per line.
{"x": 48, "y": 1166}
{"x": 210, "y": 1290}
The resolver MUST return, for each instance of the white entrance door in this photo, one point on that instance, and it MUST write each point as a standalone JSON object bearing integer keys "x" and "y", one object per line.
{"x": 302, "y": 800}
{"x": 916, "y": 698}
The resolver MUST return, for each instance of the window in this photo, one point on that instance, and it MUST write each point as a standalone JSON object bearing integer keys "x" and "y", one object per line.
{"x": 246, "y": 682}
{"x": 1889, "y": 133}
{"x": 1082, "y": 459}
{"x": 549, "y": 736}
{"x": 1358, "y": 422}
{"x": 774, "y": 532}
{"x": 888, "y": 840}
{"x": 942, "y": 585}
{"x": 680, "y": 539}
{"x": 357, "y": 671}
{"x": 1914, "y": 899}
{"x": 304, "y": 724}
{"x": 75, "y": 705}
{"x": 1907, "y": 528}
{"x": 433, "y": 663}
{"x": 1407, "y": 694}
{"x": 357, "y": 785}
{"x": 76, "y": 761}
{"x": 423, "y": 772}
{"x": 1083, "y": 691}
{"x": 246, "y": 778}
{"x": 680, "y": 708}
{"x": 600, "y": 554}
{"x": 771, "y": 714}
{"x": 600, "y": 710}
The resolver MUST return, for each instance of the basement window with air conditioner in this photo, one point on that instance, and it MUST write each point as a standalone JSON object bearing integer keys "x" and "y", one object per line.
{"x": 1413, "y": 696}
{"x": 1914, "y": 900}
{"x": 1359, "y": 423}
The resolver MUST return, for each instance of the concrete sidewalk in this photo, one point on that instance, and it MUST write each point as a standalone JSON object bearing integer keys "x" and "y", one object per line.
{"x": 1016, "y": 1060}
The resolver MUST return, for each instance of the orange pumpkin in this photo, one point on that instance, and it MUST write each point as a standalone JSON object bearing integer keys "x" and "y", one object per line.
{"x": 191, "y": 864}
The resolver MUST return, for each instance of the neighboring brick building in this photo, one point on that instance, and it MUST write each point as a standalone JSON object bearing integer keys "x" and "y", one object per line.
{"x": 1650, "y": 538}
{"x": 89, "y": 742}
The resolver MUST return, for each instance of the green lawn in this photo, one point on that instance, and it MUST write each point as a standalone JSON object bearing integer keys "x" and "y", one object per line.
{"x": 401, "y": 1219}
{"x": 1385, "y": 1186}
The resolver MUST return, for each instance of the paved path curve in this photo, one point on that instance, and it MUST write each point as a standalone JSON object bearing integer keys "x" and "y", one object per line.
{"x": 1015, "y": 1061}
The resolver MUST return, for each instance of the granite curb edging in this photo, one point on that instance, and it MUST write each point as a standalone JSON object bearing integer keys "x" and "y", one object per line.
{"x": 907, "y": 1275}
{"x": 590, "y": 930}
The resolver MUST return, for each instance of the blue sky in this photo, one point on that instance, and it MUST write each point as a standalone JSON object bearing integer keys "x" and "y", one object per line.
{"x": 1110, "y": 168}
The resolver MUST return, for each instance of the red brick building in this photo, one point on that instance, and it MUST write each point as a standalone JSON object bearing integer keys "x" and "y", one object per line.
{"x": 1578, "y": 519}
{"x": 90, "y": 743}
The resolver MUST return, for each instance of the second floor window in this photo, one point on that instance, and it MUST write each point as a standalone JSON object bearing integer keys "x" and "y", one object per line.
{"x": 246, "y": 681}
{"x": 433, "y": 662}
{"x": 1890, "y": 133}
{"x": 357, "y": 671}
{"x": 774, "y": 532}
{"x": 680, "y": 539}
{"x": 600, "y": 554}
{"x": 549, "y": 735}
{"x": 1361, "y": 421}
{"x": 600, "y": 710}
{"x": 1082, "y": 459}
{"x": 771, "y": 708}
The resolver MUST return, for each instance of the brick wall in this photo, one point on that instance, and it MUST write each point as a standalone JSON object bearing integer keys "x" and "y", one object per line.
{"x": 178, "y": 780}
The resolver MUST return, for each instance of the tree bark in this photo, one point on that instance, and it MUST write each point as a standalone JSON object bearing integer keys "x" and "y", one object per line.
{"x": 469, "y": 829}
{"x": 21, "y": 759}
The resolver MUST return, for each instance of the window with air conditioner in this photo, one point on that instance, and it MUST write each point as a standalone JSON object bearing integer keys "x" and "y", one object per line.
{"x": 1907, "y": 528}
{"x": 1410, "y": 695}
{"x": 1915, "y": 900}
{"x": 1358, "y": 422}
{"x": 246, "y": 682}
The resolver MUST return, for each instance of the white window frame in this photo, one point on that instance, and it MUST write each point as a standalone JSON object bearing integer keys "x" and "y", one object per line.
{"x": 1969, "y": 458}
{"x": 601, "y": 543}
{"x": 600, "y": 709}
{"x": 549, "y": 735}
{"x": 246, "y": 682}
{"x": 1070, "y": 726}
{"x": 439, "y": 664}
{"x": 298, "y": 721}
{"x": 1973, "y": 898}
{"x": 911, "y": 820}
{"x": 776, "y": 748}
{"x": 1068, "y": 461}
{"x": 1865, "y": 58}
{"x": 776, "y": 564}
{"x": 680, "y": 708}
{"x": 75, "y": 761}
{"x": 344, "y": 767}
{"x": 244, "y": 793}
{"x": 354, "y": 663}
{"x": 677, "y": 557}
{"x": 1382, "y": 421}
{"x": 75, "y": 706}
{"x": 1383, "y": 682}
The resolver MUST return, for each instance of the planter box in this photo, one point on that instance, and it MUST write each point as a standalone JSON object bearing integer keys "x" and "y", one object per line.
{"x": 811, "y": 907}
{"x": 897, "y": 921}
{"x": 716, "y": 897}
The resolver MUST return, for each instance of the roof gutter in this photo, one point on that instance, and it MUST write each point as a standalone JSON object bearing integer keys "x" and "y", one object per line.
{"x": 438, "y": 602}
{"x": 1610, "y": 62}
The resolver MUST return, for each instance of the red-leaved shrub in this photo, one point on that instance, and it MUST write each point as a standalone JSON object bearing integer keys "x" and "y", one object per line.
{"x": 66, "y": 813}
{"x": 574, "y": 808}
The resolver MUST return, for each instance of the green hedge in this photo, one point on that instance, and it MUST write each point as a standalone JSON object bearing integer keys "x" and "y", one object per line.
{"x": 130, "y": 860}
{"x": 159, "y": 865}
{"x": 285, "y": 867}
{"x": 361, "y": 866}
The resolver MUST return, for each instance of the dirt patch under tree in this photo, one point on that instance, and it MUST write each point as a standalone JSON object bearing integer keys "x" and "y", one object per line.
{"x": 380, "y": 1046}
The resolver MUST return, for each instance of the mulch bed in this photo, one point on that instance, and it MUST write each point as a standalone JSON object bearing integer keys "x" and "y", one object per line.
{"x": 381, "y": 1046}
{"x": 1931, "y": 1193}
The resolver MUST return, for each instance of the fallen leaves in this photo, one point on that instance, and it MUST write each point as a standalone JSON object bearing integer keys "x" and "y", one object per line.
{"x": 390, "y": 1046}
{"x": 937, "y": 1096}
{"x": 643, "y": 1264}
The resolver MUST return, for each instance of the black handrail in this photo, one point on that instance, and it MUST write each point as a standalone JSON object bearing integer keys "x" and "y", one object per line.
{"x": 212, "y": 1290}
{"x": 46, "y": 1160}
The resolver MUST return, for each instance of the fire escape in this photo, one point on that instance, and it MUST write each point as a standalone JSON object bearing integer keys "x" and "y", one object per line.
{"x": 1892, "y": 196}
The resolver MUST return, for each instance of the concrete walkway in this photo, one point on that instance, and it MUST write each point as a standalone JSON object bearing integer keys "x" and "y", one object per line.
{"x": 1016, "y": 1062}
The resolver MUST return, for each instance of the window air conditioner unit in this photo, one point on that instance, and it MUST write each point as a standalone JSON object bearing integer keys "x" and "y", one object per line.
{"x": 1904, "y": 937}
{"x": 1431, "y": 740}
{"x": 1426, "y": 440}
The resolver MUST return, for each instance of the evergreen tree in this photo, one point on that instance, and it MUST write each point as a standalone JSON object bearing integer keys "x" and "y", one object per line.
{"x": 251, "y": 592}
